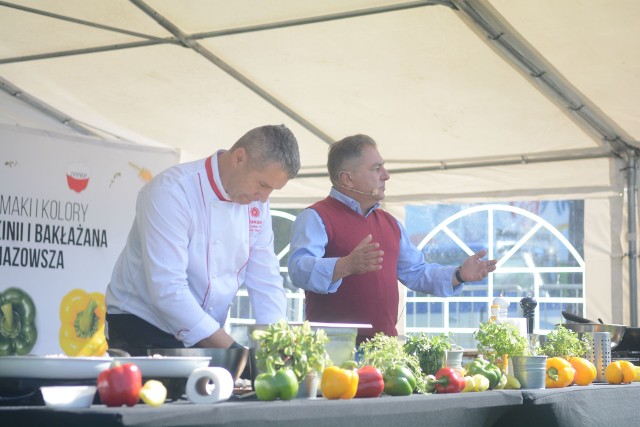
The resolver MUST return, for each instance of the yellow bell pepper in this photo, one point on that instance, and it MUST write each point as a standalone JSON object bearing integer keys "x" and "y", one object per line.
{"x": 338, "y": 383}
{"x": 153, "y": 393}
{"x": 585, "y": 370}
{"x": 560, "y": 373}
{"x": 620, "y": 371}
{"x": 476, "y": 383}
{"x": 82, "y": 317}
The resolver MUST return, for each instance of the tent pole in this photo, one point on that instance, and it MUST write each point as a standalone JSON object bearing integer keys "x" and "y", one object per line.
{"x": 632, "y": 214}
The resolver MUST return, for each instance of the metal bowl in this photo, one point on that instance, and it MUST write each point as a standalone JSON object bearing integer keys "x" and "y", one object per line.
{"x": 232, "y": 359}
{"x": 615, "y": 331}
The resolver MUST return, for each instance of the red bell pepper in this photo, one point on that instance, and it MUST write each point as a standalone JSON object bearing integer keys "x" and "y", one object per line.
{"x": 370, "y": 383}
{"x": 449, "y": 380}
{"x": 120, "y": 384}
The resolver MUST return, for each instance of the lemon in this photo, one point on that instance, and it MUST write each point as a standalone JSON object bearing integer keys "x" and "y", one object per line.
{"x": 153, "y": 393}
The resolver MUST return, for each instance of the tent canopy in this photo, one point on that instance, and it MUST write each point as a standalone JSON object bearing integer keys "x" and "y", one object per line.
{"x": 429, "y": 80}
{"x": 469, "y": 100}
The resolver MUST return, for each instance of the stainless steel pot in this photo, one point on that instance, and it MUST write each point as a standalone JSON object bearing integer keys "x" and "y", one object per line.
{"x": 233, "y": 359}
{"x": 615, "y": 331}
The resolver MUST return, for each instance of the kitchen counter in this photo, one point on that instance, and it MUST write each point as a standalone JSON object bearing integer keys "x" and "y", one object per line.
{"x": 593, "y": 405}
{"x": 478, "y": 409}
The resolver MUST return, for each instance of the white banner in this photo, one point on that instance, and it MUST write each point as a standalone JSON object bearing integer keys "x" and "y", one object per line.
{"x": 66, "y": 207}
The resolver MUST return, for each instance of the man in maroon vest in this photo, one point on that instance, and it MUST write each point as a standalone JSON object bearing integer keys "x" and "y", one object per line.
{"x": 348, "y": 254}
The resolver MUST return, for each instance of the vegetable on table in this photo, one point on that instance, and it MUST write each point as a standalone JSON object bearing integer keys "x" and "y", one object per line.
{"x": 120, "y": 384}
{"x": 399, "y": 381}
{"x": 82, "y": 316}
{"x": 339, "y": 383}
{"x": 475, "y": 383}
{"x": 281, "y": 383}
{"x": 18, "y": 332}
{"x": 449, "y": 380}
{"x": 153, "y": 393}
{"x": 370, "y": 382}
{"x": 585, "y": 370}
{"x": 384, "y": 352}
{"x": 560, "y": 373}
{"x": 620, "y": 371}
{"x": 502, "y": 384}
{"x": 487, "y": 369}
{"x": 512, "y": 383}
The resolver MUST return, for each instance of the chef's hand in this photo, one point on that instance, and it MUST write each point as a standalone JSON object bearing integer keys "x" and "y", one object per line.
{"x": 364, "y": 258}
{"x": 475, "y": 269}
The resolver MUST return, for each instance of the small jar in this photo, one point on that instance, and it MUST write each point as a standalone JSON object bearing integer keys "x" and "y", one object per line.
{"x": 495, "y": 313}
{"x": 503, "y": 305}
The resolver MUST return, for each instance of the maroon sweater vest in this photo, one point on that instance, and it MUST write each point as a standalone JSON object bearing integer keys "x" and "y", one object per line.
{"x": 361, "y": 298}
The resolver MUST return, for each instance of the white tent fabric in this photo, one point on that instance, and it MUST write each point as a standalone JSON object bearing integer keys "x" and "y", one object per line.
{"x": 470, "y": 100}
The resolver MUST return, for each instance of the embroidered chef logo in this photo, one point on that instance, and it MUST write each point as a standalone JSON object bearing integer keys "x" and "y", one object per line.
{"x": 255, "y": 224}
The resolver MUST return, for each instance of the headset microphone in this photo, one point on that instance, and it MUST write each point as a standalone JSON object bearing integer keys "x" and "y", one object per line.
{"x": 372, "y": 193}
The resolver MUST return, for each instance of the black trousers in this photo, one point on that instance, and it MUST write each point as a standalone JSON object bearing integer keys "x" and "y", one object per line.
{"x": 134, "y": 335}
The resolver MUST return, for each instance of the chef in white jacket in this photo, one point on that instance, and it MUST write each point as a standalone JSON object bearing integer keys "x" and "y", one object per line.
{"x": 201, "y": 230}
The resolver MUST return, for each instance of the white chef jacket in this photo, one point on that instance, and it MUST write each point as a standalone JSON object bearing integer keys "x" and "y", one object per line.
{"x": 188, "y": 252}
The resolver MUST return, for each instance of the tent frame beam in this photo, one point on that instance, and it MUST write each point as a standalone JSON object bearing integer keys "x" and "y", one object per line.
{"x": 632, "y": 164}
{"x": 210, "y": 56}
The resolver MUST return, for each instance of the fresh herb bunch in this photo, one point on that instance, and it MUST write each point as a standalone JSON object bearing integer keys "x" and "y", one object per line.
{"x": 563, "y": 342}
{"x": 501, "y": 338}
{"x": 430, "y": 351}
{"x": 384, "y": 352}
{"x": 298, "y": 347}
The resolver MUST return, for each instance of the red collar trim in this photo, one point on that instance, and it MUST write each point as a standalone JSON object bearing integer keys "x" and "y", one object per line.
{"x": 212, "y": 182}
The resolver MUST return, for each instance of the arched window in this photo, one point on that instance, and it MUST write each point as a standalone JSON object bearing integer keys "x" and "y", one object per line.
{"x": 535, "y": 245}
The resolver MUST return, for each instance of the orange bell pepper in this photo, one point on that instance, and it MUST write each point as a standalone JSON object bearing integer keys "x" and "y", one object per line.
{"x": 338, "y": 383}
{"x": 560, "y": 373}
{"x": 585, "y": 371}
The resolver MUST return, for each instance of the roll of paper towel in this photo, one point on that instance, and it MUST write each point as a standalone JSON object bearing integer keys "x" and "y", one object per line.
{"x": 209, "y": 385}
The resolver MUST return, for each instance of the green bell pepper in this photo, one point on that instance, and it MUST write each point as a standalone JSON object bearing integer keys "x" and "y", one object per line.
{"x": 399, "y": 381}
{"x": 18, "y": 332}
{"x": 487, "y": 369}
{"x": 282, "y": 384}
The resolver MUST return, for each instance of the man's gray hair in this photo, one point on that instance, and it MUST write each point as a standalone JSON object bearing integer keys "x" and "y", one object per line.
{"x": 343, "y": 151}
{"x": 269, "y": 144}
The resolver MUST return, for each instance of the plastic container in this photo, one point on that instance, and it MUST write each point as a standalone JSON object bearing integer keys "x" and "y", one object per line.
{"x": 68, "y": 396}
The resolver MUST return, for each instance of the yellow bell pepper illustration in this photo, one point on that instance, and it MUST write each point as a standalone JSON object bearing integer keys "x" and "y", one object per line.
{"x": 82, "y": 330}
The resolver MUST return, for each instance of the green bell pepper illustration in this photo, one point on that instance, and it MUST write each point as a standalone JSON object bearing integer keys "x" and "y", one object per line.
{"x": 18, "y": 332}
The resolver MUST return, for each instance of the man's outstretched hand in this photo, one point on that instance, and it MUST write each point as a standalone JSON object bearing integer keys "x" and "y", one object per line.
{"x": 363, "y": 258}
{"x": 475, "y": 268}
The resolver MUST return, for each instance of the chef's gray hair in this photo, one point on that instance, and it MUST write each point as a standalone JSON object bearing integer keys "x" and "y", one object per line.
{"x": 271, "y": 143}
